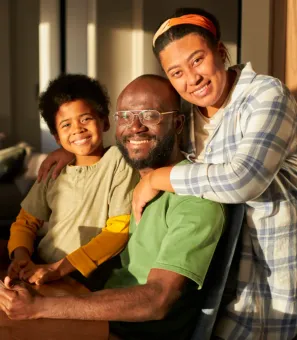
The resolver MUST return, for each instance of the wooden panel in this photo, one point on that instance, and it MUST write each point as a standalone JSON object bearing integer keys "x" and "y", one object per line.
{"x": 278, "y": 39}
{"x": 291, "y": 48}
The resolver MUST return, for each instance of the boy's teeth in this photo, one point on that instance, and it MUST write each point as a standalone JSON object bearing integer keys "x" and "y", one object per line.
{"x": 81, "y": 141}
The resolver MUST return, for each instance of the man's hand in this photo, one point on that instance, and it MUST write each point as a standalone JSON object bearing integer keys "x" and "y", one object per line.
{"x": 17, "y": 301}
{"x": 60, "y": 157}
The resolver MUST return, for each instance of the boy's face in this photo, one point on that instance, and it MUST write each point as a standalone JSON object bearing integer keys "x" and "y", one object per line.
{"x": 79, "y": 129}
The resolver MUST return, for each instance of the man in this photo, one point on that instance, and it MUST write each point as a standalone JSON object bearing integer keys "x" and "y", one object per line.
{"x": 153, "y": 295}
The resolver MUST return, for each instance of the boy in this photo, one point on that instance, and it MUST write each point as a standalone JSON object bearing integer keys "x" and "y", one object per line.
{"x": 92, "y": 192}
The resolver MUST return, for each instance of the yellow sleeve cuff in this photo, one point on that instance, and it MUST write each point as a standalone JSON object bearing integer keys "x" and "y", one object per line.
{"x": 23, "y": 232}
{"x": 105, "y": 245}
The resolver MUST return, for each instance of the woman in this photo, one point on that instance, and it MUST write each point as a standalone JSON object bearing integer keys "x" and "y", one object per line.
{"x": 243, "y": 132}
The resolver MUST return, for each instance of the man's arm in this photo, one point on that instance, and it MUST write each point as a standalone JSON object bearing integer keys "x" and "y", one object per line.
{"x": 151, "y": 301}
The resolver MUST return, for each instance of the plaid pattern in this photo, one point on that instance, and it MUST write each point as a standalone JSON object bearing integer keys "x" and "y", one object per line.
{"x": 252, "y": 158}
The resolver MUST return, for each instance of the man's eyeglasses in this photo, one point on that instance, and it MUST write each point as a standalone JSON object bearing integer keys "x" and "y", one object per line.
{"x": 146, "y": 117}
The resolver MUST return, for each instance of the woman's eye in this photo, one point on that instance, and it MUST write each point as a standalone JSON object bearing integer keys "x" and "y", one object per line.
{"x": 196, "y": 61}
{"x": 176, "y": 74}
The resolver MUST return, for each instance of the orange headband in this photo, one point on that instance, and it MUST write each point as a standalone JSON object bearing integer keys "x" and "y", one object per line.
{"x": 193, "y": 19}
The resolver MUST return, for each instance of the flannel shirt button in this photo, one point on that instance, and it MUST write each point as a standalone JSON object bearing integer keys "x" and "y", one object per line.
{"x": 208, "y": 149}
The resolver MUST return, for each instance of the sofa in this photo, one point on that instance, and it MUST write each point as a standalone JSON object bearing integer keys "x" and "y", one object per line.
{"x": 19, "y": 166}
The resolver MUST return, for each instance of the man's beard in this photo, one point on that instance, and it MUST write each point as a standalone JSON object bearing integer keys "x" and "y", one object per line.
{"x": 158, "y": 157}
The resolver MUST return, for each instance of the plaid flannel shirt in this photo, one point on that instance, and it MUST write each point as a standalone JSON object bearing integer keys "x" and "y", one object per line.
{"x": 252, "y": 158}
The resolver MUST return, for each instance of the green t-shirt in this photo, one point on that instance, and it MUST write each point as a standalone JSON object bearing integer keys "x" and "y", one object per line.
{"x": 176, "y": 233}
{"x": 179, "y": 234}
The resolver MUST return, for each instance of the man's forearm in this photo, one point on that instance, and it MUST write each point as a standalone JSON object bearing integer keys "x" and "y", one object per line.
{"x": 140, "y": 303}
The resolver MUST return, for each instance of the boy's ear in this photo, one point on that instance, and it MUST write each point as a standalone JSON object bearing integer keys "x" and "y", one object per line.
{"x": 57, "y": 139}
{"x": 106, "y": 124}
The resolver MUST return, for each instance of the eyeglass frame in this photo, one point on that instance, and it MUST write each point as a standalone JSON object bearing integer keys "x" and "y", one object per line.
{"x": 141, "y": 119}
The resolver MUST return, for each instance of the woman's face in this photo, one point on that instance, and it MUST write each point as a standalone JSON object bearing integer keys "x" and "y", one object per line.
{"x": 196, "y": 71}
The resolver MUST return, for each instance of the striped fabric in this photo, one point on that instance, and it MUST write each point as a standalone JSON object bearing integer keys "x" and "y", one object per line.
{"x": 252, "y": 158}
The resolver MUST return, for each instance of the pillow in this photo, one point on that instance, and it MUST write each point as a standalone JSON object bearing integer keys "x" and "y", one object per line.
{"x": 12, "y": 161}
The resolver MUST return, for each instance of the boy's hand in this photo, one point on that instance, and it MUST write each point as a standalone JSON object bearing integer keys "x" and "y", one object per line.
{"x": 21, "y": 259}
{"x": 60, "y": 157}
{"x": 39, "y": 274}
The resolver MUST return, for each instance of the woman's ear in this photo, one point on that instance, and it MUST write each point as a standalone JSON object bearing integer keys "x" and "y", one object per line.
{"x": 222, "y": 50}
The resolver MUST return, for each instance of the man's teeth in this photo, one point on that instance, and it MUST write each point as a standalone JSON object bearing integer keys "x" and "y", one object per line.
{"x": 81, "y": 141}
{"x": 138, "y": 141}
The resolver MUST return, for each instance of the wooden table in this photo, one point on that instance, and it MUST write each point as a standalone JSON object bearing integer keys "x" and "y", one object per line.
{"x": 48, "y": 329}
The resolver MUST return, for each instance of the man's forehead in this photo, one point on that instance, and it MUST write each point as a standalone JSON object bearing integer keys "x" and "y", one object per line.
{"x": 141, "y": 100}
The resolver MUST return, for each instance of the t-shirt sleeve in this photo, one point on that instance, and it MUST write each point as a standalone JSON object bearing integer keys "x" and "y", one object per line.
{"x": 108, "y": 243}
{"x": 191, "y": 239}
{"x": 35, "y": 203}
{"x": 120, "y": 195}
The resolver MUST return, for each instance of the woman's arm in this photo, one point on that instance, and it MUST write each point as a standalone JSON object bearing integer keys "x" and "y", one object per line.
{"x": 267, "y": 141}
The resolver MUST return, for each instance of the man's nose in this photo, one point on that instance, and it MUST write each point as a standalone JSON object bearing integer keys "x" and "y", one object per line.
{"x": 136, "y": 125}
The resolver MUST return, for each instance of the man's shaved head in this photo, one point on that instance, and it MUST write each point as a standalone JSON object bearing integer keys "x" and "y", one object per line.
{"x": 156, "y": 87}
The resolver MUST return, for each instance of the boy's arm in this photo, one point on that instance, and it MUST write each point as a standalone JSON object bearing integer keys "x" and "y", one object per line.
{"x": 85, "y": 259}
{"x": 23, "y": 233}
{"x": 105, "y": 245}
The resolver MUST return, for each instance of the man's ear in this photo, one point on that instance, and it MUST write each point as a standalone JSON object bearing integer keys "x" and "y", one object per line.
{"x": 57, "y": 138}
{"x": 106, "y": 124}
{"x": 179, "y": 123}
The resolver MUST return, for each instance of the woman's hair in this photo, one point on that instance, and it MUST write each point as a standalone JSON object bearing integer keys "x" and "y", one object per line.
{"x": 70, "y": 87}
{"x": 179, "y": 31}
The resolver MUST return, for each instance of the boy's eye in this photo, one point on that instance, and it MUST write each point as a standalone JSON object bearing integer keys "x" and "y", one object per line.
{"x": 87, "y": 118}
{"x": 65, "y": 125}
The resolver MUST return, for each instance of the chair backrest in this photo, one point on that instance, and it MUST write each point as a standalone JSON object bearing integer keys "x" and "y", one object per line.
{"x": 217, "y": 275}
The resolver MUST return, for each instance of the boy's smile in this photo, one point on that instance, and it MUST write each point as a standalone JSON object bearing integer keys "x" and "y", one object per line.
{"x": 79, "y": 130}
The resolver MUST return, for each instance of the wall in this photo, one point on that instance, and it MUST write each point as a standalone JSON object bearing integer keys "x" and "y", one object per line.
{"x": 256, "y": 42}
{"x": 5, "y": 108}
{"x": 24, "y": 75}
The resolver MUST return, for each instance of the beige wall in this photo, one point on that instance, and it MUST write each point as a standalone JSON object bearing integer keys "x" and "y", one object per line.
{"x": 24, "y": 75}
{"x": 256, "y": 21}
{"x": 5, "y": 107}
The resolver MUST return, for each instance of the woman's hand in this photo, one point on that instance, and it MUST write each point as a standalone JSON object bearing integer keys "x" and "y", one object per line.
{"x": 60, "y": 157}
{"x": 148, "y": 188}
{"x": 143, "y": 193}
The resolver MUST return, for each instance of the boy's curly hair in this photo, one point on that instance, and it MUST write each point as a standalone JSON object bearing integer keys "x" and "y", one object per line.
{"x": 70, "y": 87}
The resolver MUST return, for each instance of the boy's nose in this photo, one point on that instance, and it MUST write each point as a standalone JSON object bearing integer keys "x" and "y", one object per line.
{"x": 77, "y": 127}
